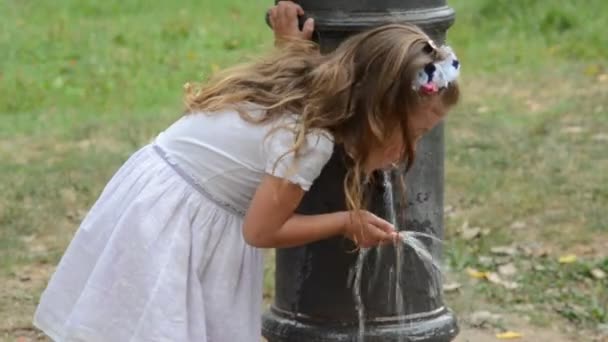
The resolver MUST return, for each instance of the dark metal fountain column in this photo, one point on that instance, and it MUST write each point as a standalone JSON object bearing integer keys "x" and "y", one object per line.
{"x": 313, "y": 288}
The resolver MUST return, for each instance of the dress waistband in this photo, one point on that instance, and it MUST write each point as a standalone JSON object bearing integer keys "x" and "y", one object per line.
{"x": 195, "y": 183}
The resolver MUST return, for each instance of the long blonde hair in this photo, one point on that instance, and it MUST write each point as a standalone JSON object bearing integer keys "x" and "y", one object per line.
{"x": 361, "y": 92}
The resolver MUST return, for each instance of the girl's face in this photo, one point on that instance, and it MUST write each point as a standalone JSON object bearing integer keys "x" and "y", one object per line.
{"x": 420, "y": 122}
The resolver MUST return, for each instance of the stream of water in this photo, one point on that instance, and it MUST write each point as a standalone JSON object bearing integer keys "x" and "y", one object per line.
{"x": 411, "y": 240}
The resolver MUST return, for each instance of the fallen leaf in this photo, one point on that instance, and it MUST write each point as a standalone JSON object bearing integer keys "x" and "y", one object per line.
{"x": 482, "y": 109}
{"x": 507, "y": 270}
{"x": 603, "y": 78}
{"x": 567, "y": 259}
{"x": 571, "y": 310}
{"x": 494, "y": 278}
{"x": 573, "y": 129}
{"x": 533, "y": 106}
{"x": 518, "y": 225}
{"x": 68, "y": 195}
{"x": 600, "y": 137}
{"x": 541, "y": 252}
{"x": 578, "y": 309}
{"x": 598, "y": 273}
{"x": 38, "y": 248}
{"x": 525, "y": 265}
{"x": 504, "y": 250}
{"x": 510, "y": 285}
{"x": 502, "y": 259}
{"x": 509, "y": 335}
{"x": 485, "y": 260}
{"x": 524, "y": 307}
{"x": 584, "y": 250}
{"x": 451, "y": 287}
{"x": 592, "y": 70}
{"x": 470, "y": 233}
{"x": 481, "y": 318}
{"x": 84, "y": 144}
{"x": 28, "y": 238}
{"x": 473, "y": 273}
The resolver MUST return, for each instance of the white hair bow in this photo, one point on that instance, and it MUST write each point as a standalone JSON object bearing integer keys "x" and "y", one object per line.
{"x": 436, "y": 76}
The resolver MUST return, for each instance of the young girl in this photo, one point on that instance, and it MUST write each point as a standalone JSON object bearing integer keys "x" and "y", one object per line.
{"x": 171, "y": 249}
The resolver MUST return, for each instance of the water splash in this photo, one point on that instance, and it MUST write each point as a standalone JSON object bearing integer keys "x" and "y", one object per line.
{"x": 389, "y": 207}
{"x": 422, "y": 252}
{"x": 432, "y": 238}
{"x": 399, "y": 300}
{"x": 412, "y": 240}
{"x": 357, "y": 291}
{"x": 389, "y": 200}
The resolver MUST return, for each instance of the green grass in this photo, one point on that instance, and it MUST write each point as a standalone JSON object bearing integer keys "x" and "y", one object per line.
{"x": 528, "y": 145}
{"x": 523, "y": 35}
{"x": 70, "y": 60}
{"x": 84, "y": 83}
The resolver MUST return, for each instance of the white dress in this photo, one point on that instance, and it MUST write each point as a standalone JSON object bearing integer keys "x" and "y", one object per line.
{"x": 161, "y": 256}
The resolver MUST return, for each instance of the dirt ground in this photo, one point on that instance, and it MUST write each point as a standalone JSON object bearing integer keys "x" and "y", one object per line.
{"x": 16, "y": 319}
{"x": 528, "y": 332}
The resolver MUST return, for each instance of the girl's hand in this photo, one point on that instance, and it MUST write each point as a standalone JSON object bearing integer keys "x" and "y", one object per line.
{"x": 284, "y": 21}
{"x": 368, "y": 230}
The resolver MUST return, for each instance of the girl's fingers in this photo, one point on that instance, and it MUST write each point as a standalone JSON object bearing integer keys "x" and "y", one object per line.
{"x": 284, "y": 21}
{"x": 273, "y": 17}
{"x": 309, "y": 27}
{"x": 293, "y": 17}
{"x": 284, "y": 13}
{"x": 376, "y": 234}
{"x": 380, "y": 223}
{"x": 299, "y": 9}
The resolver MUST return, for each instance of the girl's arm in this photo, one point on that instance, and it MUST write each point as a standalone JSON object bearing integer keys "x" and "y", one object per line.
{"x": 270, "y": 221}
